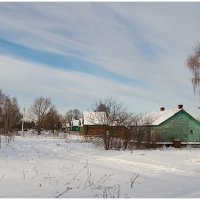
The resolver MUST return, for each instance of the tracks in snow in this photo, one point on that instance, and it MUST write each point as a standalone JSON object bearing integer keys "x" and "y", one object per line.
{"x": 153, "y": 168}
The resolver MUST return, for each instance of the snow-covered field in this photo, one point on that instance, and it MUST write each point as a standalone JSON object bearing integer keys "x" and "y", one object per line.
{"x": 33, "y": 166}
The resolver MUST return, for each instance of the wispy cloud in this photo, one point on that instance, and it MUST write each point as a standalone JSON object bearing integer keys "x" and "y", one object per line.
{"x": 82, "y": 51}
{"x": 64, "y": 87}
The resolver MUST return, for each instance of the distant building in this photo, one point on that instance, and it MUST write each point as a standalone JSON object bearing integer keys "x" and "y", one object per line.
{"x": 75, "y": 124}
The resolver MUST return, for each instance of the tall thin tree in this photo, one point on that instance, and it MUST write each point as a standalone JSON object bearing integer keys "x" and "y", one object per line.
{"x": 193, "y": 63}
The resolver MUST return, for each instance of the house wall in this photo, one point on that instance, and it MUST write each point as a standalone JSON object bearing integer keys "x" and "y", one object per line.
{"x": 182, "y": 127}
{"x": 75, "y": 128}
{"x": 94, "y": 130}
{"x": 100, "y": 130}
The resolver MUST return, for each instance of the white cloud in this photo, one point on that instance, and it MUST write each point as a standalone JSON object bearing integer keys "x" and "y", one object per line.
{"x": 106, "y": 35}
{"x": 67, "y": 88}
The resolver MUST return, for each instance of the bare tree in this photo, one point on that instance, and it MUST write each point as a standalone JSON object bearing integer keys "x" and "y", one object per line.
{"x": 39, "y": 110}
{"x": 10, "y": 115}
{"x": 72, "y": 114}
{"x": 116, "y": 114}
{"x": 142, "y": 130}
{"x": 114, "y": 119}
{"x": 52, "y": 120}
{"x": 2, "y": 96}
{"x": 14, "y": 114}
{"x": 193, "y": 63}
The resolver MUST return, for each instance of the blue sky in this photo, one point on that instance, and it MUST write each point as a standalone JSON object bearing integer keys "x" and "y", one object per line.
{"x": 75, "y": 53}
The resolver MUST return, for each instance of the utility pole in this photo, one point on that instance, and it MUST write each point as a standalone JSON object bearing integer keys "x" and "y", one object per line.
{"x": 23, "y": 122}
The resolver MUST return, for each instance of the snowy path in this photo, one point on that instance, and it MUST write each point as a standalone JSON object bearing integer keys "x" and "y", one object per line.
{"x": 45, "y": 167}
{"x": 154, "y": 167}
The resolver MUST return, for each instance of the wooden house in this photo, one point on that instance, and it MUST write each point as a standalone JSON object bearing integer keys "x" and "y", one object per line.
{"x": 175, "y": 126}
{"x": 94, "y": 124}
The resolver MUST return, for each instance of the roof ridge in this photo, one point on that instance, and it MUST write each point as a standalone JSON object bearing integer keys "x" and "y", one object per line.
{"x": 161, "y": 116}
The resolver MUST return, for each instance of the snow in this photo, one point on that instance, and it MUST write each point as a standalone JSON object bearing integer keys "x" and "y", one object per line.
{"x": 44, "y": 166}
{"x": 75, "y": 122}
{"x": 91, "y": 118}
{"x": 161, "y": 116}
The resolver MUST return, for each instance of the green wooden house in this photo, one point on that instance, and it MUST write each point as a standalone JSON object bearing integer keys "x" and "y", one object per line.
{"x": 176, "y": 125}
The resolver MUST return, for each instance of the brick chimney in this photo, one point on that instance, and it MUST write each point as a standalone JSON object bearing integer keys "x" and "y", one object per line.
{"x": 162, "y": 109}
{"x": 180, "y": 106}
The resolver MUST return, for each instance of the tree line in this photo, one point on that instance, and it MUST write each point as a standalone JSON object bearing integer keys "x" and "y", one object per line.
{"x": 42, "y": 115}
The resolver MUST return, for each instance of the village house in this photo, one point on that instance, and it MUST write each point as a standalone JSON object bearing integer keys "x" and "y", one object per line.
{"x": 95, "y": 125}
{"x": 175, "y": 126}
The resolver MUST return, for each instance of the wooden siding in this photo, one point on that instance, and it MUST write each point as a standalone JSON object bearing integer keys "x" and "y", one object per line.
{"x": 94, "y": 130}
{"x": 181, "y": 127}
{"x": 100, "y": 131}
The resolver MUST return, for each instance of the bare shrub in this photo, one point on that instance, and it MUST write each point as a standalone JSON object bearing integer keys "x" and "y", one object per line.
{"x": 97, "y": 187}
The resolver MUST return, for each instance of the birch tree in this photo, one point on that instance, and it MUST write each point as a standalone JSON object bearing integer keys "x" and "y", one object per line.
{"x": 193, "y": 63}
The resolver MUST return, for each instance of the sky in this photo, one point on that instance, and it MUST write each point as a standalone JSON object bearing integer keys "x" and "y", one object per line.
{"x": 75, "y": 53}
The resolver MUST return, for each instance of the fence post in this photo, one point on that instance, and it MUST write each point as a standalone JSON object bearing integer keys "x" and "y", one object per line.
{"x": 107, "y": 140}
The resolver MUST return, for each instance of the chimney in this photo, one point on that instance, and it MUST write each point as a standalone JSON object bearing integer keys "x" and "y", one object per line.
{"x": 180, "y": 106}
{"x": 162, "y": 109}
